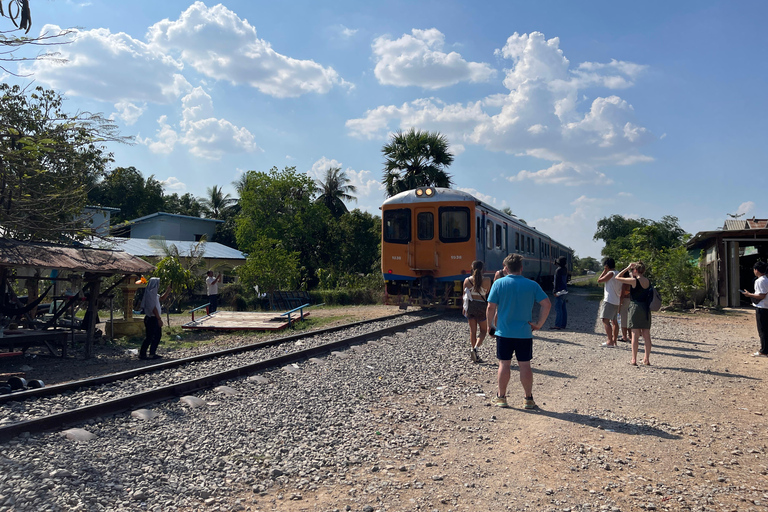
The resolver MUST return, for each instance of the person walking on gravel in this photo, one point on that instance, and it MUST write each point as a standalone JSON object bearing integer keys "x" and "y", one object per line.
{"x": 513, "y": 298}
{"x": 153, "y": 319}
{"x": 560, "y": 290}
{"x": 609, "y": 306}
{"x": 639, "y": 309}
{"x": 761, "y": 313}
{"x": 477, "y": 289}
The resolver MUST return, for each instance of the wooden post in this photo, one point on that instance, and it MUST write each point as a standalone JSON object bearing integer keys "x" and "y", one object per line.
{"x": 94, "y": 282}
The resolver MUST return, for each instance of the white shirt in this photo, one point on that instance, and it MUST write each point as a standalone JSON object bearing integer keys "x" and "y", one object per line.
{"x": 213, "y": 287}
{"x": 761, "y": 286}
{"x": 612, "y": 290}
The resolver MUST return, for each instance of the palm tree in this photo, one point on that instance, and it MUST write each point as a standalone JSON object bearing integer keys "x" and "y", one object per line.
{"x": 416, "y": 159}
{"x": 216, "y": 203}
{"x": 335, "y": 190}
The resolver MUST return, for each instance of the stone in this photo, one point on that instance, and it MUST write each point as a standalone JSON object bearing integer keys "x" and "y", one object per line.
{"x": 79, "y": 434}
{"x": 143, "y": 414}
{"x": 192, "y": 401}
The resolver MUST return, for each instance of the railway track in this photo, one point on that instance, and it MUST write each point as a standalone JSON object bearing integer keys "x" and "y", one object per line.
{"x": 144, "y": 398}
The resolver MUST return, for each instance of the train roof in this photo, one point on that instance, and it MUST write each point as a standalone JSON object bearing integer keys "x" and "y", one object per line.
{"x": 441, "y": 194}
{"x": 450, "y": 194}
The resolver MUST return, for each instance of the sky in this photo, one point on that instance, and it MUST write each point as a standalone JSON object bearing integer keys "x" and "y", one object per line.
{"x": 565, "y": 112}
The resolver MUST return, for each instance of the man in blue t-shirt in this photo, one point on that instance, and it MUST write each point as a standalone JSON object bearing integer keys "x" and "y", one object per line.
{"x": 513, "y": 297}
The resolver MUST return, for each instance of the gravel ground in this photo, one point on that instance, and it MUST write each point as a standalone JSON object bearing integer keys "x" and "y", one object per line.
{"x": 405, "y": 423}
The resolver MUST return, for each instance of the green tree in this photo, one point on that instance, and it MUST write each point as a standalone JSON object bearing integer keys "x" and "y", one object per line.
{"x": 270, "y": 266}
{"x": 126, "y": 188}
{"x": 184, "y": 274}
{"x": 359, "y": 235}
{"x": 279, "y": 205}
{"x": 216, "y": 202}
{"x": 335, "y": 190}
{"x": 582, "y": 265}
{"x": 415, "y": 159}
{"x": 48, "y": 161}
{"x": 186, "y": 204}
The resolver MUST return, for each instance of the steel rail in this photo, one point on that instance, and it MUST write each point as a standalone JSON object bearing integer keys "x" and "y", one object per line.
{"x": 119, "y": 405}
{"x": 127, "y": 374}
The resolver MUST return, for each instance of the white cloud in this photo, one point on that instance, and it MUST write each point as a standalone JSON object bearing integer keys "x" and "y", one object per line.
{"x": 206, "y": 136}
{"x": 368, "y": 189}
{"x": 746, "y": 207}
{"x": 564, "y": 173}
{"x": 485, "y": 197}
{"x": 347, "y": 32}
{"x": 577, "y": 225}
{"x": 172, "y": 183}
{"x": 166, "y": 138}
{"x": 110, "y": 67}
{"x": 129, "y": 112}
{"x": 221, "y": 45}
{"x": 319, "y": 167}
{"x": 542, "y": 116}
{"x": 417, "y": 59}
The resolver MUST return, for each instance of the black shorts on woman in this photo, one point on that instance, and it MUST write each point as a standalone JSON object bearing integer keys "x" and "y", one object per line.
{"x": 506, "y": 347}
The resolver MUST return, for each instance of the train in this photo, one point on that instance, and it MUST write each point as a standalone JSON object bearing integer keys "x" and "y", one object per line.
{"x": 430, "y": 236}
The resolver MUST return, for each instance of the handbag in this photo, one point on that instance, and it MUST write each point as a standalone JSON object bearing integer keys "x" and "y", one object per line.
{"x": 477, "y": 307}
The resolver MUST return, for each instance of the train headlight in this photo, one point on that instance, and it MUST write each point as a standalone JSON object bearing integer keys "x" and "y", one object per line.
{"x": 419, "y": 192}
{"x": 429, "y": 192}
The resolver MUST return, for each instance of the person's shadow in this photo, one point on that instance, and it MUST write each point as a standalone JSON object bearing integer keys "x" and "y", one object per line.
{"x": 620, "y": 427}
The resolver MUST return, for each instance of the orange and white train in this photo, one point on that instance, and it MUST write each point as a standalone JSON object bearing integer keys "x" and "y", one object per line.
{"x": 431, "y": 236}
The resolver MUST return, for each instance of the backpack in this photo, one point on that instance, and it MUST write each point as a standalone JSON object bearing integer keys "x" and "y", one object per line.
{"x": 654, "y": 299}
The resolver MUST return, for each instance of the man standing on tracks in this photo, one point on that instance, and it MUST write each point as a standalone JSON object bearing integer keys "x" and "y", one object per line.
{"x": 213, "y": 291}
{"x": 513, "y": 297}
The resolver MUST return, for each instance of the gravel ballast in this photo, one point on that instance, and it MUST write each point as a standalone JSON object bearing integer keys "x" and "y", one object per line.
{"x": 405, "y": 423}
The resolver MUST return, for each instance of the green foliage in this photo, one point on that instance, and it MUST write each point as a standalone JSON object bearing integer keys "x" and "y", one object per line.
{"x": 216, "y": 203}
{"x": 660, "y": 246}
{"x": 126, "y": 188}
{"x": 346, "y": 297}
{"x": 48, "y": 161}
{"x": 186, "y": 204}
{"x": 357, "y": 243}
{"x": 280, "y": 205}
{"x": 335, "y": 190}
{"x": 582, "y": 265}
{"x": 414, "y": 159}
{"x": 269, "y": 266}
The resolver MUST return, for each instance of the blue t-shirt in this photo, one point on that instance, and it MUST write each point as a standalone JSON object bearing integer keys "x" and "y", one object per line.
{"x": 515, "y": 297}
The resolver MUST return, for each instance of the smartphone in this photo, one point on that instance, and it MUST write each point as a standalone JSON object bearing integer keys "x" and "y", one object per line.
{"x": 743, "y": 291}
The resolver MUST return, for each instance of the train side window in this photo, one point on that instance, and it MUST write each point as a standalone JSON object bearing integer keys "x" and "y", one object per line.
{"x": 505, "y": 246}
{"x": 530, "y": 244}
{"x": 478, "y": 229}
{"x": 425, "y": 226}
{"x": 454, "y": 224}
{"x": 498, "y": 236}
{"x": 489, "y": 234}
{"x": 517, "y": 242}
{"x": 397, "y": 226}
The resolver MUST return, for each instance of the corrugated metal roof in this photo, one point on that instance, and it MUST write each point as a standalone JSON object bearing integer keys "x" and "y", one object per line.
{"x": 142, "y": 247}
{"x": 732, "y": 224}
{"x": 14, "y": 253}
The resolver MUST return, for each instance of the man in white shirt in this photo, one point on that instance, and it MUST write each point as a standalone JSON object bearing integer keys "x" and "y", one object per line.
{"x": 761, "y": 292}
{"x": 213, "y": 291}
{"x": 609, "y": 306}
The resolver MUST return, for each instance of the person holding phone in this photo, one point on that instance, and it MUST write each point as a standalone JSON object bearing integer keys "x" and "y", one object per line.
{"x": 761, "y": 313}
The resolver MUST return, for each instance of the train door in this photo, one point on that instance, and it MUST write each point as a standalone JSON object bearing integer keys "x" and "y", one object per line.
{"x": 425, "y": 250}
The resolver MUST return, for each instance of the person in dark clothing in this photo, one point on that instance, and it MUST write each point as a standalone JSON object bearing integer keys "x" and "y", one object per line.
{"x": 561, "y": 289}
{"x": 153, "y": 320}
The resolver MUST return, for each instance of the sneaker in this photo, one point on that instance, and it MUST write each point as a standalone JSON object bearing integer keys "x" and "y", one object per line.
{"x": 501, "y": 401}
{"x": 608, "y": 345}
{"x": 759, "y": 354}
{"x": 478, "y": 359}
{"x": 530, "y": 404}
{"x": 473, "y": 355}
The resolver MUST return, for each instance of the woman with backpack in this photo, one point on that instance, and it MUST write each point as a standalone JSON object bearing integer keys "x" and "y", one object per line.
{"x": 639, "y": 309}
{"x": 476, "y": 302}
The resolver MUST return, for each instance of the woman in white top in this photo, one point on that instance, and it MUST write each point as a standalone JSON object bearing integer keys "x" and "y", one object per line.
{"x": 478, "y": 291}
{"x": 761, "y": 313}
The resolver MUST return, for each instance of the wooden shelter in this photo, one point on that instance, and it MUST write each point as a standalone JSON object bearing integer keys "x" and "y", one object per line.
{"x": 89, "y": 266}
{"x": 728, "y": 256}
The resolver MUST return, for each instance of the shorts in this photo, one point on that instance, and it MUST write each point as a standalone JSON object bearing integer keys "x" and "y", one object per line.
{"x": 479, "y": 318}
{"x": 506, "y": 347}
{"x": 608, "y": 311}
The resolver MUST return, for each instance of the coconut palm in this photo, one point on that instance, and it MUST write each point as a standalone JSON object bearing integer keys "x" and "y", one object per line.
{"x": 334, "y": 190}
{"x": 216, "y": 202}
{"x": 416, "y": 159}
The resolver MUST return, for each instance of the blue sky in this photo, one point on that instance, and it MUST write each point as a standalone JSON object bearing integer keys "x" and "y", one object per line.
{"x": 566, "y": 112}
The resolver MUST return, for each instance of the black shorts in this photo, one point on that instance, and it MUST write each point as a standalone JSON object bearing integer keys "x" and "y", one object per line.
{"x": 506, "y": 347}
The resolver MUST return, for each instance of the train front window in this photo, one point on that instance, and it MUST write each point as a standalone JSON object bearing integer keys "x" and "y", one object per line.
{"x": 397, "y": 226}
{"x": 454, "y": 224}
{"x": 425, "y": 226}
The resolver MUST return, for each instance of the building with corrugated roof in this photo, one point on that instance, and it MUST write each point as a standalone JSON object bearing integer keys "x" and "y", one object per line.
{"x": 728, "y": 256}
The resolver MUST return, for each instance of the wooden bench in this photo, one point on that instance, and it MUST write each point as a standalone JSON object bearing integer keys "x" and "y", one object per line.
{"x": 25, "y": 338}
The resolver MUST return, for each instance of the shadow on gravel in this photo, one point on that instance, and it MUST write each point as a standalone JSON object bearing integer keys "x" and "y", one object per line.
{"x": 707, "y": 372}
{"x": 552, "y": 373}
{"x": 559, "y": 341}
{"x": 682, "y": 341}
{"x": 682, "y": 349}
{"x": 607, "y": 425}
